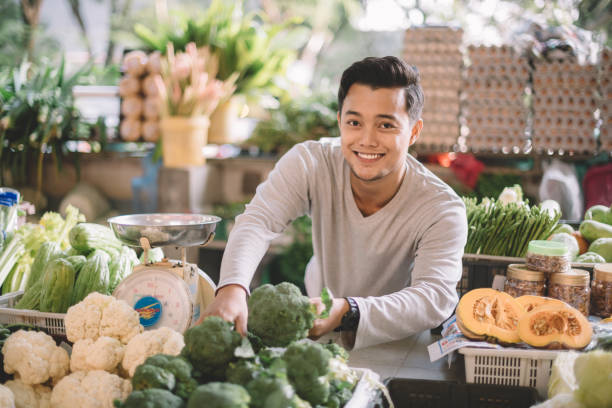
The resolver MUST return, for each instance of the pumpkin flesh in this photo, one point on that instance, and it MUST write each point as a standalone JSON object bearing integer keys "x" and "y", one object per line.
{"x": 555, "y": 326}
{"x": 489, "y": 313}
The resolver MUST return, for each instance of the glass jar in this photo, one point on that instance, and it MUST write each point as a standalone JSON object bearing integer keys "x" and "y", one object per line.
{"x": 521, "y": 281}
{"x": 573, "y": 288}
{"x": 548, "y": 256}
{"x": 601, "y": 290}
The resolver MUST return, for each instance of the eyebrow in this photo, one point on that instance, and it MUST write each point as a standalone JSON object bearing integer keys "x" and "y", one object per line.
{"x": 380, "y": 115}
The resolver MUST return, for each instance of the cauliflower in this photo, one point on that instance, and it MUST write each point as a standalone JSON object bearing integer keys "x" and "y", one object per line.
{"x": 7, "y": 399}
{"x": 280, "y": 314}
{"x": 105, "y": 353}
{"x": 90, "y": 389}
{"x": 35, "y": 357}
{"x": 160, "y": 341}
{"x": 100, "y": 315}
{"x": 29, "y": 396}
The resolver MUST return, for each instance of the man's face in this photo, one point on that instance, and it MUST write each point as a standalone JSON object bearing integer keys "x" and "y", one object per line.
{"x": 376, "y": 131}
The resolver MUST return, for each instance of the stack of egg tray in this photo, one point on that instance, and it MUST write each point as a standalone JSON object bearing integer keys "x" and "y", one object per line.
{"x": 435, "y": 52}
{"x": 494, "y": 99}
{"x": 605, "y": 80}
{"x": 565, "y": 99}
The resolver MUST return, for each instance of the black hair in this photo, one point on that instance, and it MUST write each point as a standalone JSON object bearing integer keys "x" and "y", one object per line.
{"x": 386, "y": 72}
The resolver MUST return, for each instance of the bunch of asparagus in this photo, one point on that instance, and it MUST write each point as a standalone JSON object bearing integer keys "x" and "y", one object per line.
{"x": 505, "y": 229}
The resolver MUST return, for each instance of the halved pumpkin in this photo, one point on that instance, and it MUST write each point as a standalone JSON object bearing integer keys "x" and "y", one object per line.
{"x": 529, "y": 302}
{"x": 489, "y": 314}
{"x": 555, "y": 326}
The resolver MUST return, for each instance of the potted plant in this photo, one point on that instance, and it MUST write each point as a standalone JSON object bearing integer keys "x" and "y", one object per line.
{"x": 188, "y": 94}
{"x": 37, "y": 117}
{"x": 244, "y": 44}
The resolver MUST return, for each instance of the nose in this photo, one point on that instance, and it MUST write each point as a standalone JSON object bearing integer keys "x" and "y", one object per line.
{"x": 368, "y": 137}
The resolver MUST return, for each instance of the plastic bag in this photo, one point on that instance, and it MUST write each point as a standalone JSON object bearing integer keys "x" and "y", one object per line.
{"x": 560, "y": 183}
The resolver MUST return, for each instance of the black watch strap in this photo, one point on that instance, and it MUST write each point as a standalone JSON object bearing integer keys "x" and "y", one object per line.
{"x": 350, "y": 320}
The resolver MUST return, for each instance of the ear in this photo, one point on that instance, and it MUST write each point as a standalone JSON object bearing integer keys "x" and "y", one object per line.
{"x": 416, "y": 131}
{"x": 338, "y": 119}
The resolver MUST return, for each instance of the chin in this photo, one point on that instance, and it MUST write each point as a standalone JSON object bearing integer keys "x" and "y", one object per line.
{"x": 366, "y": 176}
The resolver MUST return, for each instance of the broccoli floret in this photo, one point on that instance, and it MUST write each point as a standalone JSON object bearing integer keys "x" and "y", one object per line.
{"x": 219, "y": 395}
{"x": 268, "y": 355}
{"x": 242, "y": 372}
{"x": 337, "y": 350}
{"x": 308, "y": 369}
{"x": 210, "y": 347}
{"x": 156, "y": 369}
{"x": 271, "y": 391}
{"x": 280, "y": 314}
{"x": 148, "y": 376}
{"x": 152, "y": 398}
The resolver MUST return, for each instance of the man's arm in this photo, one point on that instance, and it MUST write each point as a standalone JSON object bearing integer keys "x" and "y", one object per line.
{"x": 278, "y": 201}
{"x": 432, "y": 296}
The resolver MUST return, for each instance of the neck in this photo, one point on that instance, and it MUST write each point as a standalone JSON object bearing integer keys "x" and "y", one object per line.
{"x": 371, "y": 196}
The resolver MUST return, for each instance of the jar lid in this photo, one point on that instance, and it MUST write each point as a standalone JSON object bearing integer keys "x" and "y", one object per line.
{"x": 520, "y": 272}
{"x": 603, "y": 272}
{"x": 575, "y": 277}
{"x": 548, "y": 248}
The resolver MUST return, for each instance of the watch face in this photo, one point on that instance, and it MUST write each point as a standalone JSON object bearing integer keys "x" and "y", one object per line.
{"x": 350, "y": 320}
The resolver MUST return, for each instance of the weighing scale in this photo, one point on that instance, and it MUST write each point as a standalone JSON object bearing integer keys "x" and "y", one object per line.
{"x": 170, "y": 293}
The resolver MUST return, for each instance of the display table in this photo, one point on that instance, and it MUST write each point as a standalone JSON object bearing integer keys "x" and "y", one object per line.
{"x": 407, "y": 358}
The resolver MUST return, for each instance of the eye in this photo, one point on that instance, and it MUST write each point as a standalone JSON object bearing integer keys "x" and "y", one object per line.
{"x": 387, "y": 125}
{"x": 352, "y": 122}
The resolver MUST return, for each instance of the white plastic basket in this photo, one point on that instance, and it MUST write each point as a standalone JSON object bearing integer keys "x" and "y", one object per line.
{"x": 509, "y": 366}
{"x": 52, "y": 323}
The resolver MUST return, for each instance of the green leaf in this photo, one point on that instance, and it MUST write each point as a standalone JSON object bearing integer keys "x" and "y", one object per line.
{"x": 327, "y": 301}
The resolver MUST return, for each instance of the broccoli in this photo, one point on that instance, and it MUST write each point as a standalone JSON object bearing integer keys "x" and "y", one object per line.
{"x": 164, "y": 371}
{"x": 219, "y": 395}
{"x": 151, "y": 398}
{"x": 337, "y": 350}
{"x": 210, "y": 347}
{"x": 308, "y": 369}
{"x": 149, "y": 376}
{"x": 268, "y": 355}
{"x": 280, "y": 314}
{"x": 271, "y": 391}
{"x": 242, "y": 372}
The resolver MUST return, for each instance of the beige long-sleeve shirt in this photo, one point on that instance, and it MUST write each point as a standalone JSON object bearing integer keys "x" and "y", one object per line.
{"x": 401, "y": 264}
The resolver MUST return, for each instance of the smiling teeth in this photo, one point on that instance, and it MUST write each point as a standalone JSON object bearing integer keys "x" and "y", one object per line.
{"x": 368, "y": 156}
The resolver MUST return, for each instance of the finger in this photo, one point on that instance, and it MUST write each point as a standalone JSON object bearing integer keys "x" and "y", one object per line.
{"x": 241, "y": 325}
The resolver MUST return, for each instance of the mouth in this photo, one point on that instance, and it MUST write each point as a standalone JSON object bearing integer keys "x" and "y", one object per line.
{"x": 369, "y": 156}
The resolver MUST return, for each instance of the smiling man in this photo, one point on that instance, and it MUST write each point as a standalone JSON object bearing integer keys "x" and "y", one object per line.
{"x": 388, "y": 235}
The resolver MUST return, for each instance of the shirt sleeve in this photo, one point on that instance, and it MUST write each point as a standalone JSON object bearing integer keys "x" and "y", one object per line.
{"x": 432, "y": 295}
{"x": 279, "y": 200}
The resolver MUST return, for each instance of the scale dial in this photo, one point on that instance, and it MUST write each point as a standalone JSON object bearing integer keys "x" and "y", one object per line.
{"x": 173, "y": 308}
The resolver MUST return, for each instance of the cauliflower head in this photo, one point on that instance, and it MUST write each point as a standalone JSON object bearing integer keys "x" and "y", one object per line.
{"x": 104, "y": 353}
{"x": 28, "y": 396}
{"x": 159, "y": 341}
{"x": 210, "y": 347}
{"x": 7, "y": 399}
{"x": 219, "y": 395}
{"x": 34, "y": 357}
{"x": 101, "y": 315}
{"x": 90, "y": 389}
{"x": 280, "y": 314}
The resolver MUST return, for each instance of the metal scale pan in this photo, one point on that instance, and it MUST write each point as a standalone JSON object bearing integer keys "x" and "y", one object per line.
{"x": 181, "y": 230}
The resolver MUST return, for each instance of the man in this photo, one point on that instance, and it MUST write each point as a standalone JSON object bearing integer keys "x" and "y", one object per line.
{"x": 388, "y": 235}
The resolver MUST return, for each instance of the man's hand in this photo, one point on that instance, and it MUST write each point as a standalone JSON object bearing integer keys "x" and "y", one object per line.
{"x": 322, "y": 326}
{"x": 230, "y": 304}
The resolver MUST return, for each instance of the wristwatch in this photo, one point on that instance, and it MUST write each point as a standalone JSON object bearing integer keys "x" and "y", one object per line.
{"x": 350, "y": 320}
